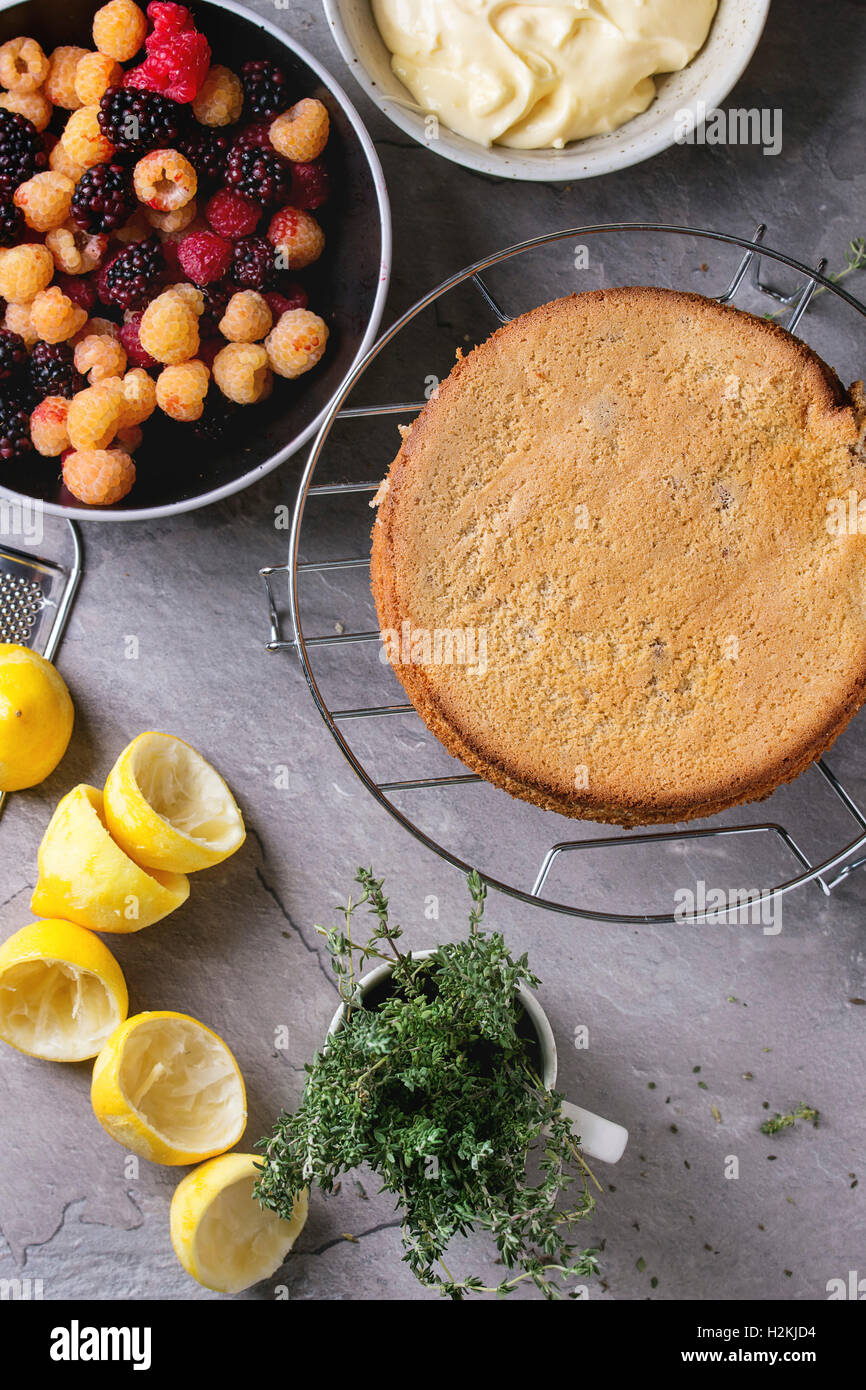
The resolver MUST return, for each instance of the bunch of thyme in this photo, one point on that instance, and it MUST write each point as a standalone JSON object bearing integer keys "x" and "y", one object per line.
{"x": 435, "y": 1086}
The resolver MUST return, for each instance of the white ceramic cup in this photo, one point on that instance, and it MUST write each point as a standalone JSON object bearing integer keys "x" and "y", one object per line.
{"x": 600, "y": 1139}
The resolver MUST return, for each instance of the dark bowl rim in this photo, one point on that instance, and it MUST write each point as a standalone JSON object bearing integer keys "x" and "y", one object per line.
{"x": 192, "y": 504}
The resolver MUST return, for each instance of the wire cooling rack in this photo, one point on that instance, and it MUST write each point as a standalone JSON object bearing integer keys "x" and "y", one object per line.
{"x": 518, "y": 848}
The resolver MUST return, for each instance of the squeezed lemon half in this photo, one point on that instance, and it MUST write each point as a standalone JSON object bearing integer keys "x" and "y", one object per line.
{"x": 169, "y": 809}
{"x": 221, "y": 1235}
{"x": 62, "y": 993}
{"x": 36, "y": 717}
{"x": 168, "y": 1089}
{"x": 86, "y": 877}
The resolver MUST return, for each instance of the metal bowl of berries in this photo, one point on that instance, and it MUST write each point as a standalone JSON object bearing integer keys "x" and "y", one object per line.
{"x": 195, "y": 246}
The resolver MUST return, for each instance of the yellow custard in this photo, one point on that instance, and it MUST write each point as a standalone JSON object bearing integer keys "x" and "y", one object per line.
{"x": 538, "y": 73}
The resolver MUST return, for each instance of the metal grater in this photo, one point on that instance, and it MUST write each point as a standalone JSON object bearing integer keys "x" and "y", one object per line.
{"x": 36, "y": 596}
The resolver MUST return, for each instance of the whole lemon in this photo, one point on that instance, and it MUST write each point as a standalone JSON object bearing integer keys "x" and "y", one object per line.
{"x": 36, "y": 717}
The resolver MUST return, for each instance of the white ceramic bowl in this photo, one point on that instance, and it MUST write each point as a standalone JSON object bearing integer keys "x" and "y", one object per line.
{"x": 709, "y": 78}
{"x": 599, "y": 1138}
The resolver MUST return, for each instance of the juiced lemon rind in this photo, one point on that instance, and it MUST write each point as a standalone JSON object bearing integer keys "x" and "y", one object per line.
{"x": 168, "y": 1088}
{"x": 169, "y": 808}
{"x": 86, "y": 877}
{"x": 221, "y": 1235}
{"x": 62, "y": 993}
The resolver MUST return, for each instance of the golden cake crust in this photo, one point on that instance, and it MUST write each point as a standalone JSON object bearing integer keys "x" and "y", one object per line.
{"x": 624, "y": 500}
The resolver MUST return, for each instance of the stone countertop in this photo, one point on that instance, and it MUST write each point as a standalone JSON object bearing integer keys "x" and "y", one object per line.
{"x": 693, "y": 1031}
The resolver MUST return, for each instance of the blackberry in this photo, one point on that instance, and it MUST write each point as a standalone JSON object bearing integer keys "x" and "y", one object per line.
{"x": 51, "y": 371}
{"x": 14, "y": 429}
{"x": 252, "y": 266}
{"x": 216, "y": 297}
{"x": 11, "y": 223}
{"x": 13, "y": 354}
{"x": 259, "y": 174}
{"x": 137, "y": 121}
{"x": 130, "y": 279}
{"x": 22, "y": 153}
{"x": 259, "y": 133}
{"x": 104, "y": 198}
{"x": 266, "y": 91}
{"x": 207, "y": 148}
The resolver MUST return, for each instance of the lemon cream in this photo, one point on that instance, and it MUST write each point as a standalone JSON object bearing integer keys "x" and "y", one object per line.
{"x": 542, "y": 72}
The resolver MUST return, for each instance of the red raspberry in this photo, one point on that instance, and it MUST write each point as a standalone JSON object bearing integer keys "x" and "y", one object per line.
{"x": 79, "y": 288}
{"x": 231, "y": 214}
{"x": 167, "y": 19}
{"x": 310, "y": 185}
{"x": 204, "y": 256}
{"x": 141, "y": 79}
{"x": 176, "y": 67}
{"x": 293, "y": 296}
{"x": 129, "y": 337}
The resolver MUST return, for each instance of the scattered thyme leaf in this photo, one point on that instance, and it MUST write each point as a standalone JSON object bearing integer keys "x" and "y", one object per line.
{"x": 779, "y": 1122}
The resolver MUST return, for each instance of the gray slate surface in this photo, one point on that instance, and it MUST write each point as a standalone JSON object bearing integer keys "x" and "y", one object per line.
{"x": 242, "y": 954}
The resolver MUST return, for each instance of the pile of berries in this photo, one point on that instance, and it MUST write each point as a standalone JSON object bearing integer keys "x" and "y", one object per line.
{"x": 153, "y": 221}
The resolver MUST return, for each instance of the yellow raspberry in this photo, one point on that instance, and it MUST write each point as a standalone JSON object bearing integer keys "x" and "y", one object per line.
{"x": 136, "y": 229}
{"x": 17, "y": 319}
{"x": 75, "y": 252}
{"x": 298, "y": 238}
{"x": 24, "y": 271}
{"x": 95, "y": 416}
{"x": 242, "y": 373}
{"x": 98, "y": 356}
{"x": 164, "y": 180}
{"x": 129, "y": 439}
{"x": 301, "y": 133}
{"x": 83, "y": 140}
{"x": 48, "y": 429}
{"x": 169, "y": 329}
{"x": 23, "y": 65}
{"x": 98, "y": 477}
{"x": 191, "y": 295}
{"x": 119, "y": 29}
{"x": 297, "y": 342}
{"x": 55, "y": 316}
{"x": 45, "y": 200}
{"x": 94, "y": 75}
{"x": 139, "y": 397}
{"x": 33, "y": 105}
{"x": 180, "y": 391}
{"x": 247, "y": 318}
{"x": 59, "y": 85}
{"x": 105, "y": 328}
{"x": 176, "y": 221}
{"x": 60, "y": 161}
{"x": 220, "y": 97}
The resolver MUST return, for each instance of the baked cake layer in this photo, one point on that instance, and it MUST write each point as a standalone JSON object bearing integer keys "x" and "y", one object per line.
{"x": 610, "y": 560}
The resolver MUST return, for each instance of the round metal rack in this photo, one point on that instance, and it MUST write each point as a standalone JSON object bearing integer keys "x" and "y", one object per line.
{"x": 525, "y": 833}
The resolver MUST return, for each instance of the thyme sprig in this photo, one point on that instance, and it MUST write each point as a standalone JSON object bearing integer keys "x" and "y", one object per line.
{"x": 434, "y": 1084}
